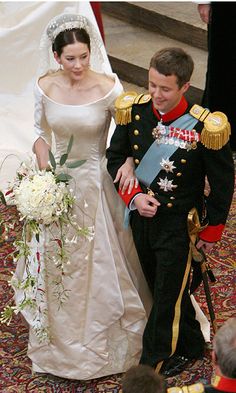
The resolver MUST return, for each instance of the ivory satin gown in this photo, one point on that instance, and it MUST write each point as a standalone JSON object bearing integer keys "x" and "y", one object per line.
{"x": 98, "y": 330}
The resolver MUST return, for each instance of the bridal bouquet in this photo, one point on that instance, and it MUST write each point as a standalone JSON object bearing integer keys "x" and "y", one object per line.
{"x": 40, "y": 198}
{"x": 44, "y": 199}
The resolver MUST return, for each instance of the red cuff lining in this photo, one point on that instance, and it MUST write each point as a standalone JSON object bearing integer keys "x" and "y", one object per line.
{"x": 212, "y": 233}
{"x": 128, "y": 197}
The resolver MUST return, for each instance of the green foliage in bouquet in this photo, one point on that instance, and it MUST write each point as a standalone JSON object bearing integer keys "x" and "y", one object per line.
{"x": 64, "y": 177}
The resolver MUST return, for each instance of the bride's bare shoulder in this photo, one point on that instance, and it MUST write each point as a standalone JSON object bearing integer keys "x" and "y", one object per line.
{"x": 46, "y": 81}
{"x": 106, "y": 82}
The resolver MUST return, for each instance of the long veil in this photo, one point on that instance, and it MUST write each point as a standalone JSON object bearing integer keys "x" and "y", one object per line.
{"x": 21, "y": 28}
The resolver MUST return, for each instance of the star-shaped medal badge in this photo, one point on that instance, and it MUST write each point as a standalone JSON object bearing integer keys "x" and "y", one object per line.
{"x": 167, "y": 165}
{"x": 166, "y": 184}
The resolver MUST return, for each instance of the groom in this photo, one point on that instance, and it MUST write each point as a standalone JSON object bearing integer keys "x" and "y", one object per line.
{"x": 174, "y": 146}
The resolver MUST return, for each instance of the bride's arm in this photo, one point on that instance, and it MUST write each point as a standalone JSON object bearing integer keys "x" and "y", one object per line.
{"x": 43, "y": 133}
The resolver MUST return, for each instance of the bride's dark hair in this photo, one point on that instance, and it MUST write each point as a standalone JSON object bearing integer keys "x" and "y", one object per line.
{"x": 68, "y": 37}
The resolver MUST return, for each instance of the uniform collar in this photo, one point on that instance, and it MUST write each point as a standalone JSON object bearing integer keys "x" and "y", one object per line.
{"x": 224, "y": 384}
{"x": 178, "y": 111}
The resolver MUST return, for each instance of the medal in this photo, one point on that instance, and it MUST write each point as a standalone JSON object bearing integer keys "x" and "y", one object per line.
{"x": 159, "y": 130}
{"x": 194, "y": 145}
{"x": 182, "y": 145}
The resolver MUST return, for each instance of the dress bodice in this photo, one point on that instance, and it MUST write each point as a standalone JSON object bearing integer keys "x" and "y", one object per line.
{"x": 89, "y": 123}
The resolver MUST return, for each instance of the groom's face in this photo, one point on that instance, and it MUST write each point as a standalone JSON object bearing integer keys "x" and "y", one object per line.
{"x": 165, "y": 91}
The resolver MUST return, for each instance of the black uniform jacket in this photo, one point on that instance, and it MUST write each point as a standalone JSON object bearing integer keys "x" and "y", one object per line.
{"x": 189, "y": 168}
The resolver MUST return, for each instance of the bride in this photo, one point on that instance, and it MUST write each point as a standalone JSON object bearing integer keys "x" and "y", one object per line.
{"x": 98, "y": 330}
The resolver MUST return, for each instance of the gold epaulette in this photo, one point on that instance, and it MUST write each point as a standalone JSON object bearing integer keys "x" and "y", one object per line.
{"x": 196, "y": 388}
{"x": 142, "y": 98}
{"x": 216, "y": 131}
{"x": 123, "y": 105}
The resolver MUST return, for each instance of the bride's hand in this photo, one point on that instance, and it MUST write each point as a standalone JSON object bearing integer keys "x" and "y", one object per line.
{"x": 126, "y": 176}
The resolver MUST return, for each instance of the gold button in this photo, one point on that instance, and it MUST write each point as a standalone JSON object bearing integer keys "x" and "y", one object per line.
{"x": 136, "y": 132}
{"x": 169, "y": 204}
{"x": 179, "y": 174}
{"x": 172, "y": 198}
{"x": 137, "y": 117}
{"x": 183, "y": 161}
{"x": 136, "y": 147}
{"x": 136, "y": 161}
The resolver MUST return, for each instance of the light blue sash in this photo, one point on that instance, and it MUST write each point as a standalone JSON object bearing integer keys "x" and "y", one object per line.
{"x": 149, "y": 166}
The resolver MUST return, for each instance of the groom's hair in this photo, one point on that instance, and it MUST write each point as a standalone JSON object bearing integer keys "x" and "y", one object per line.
{"x": 173, "y": 61}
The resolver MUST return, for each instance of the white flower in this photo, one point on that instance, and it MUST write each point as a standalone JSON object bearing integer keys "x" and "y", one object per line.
{"x": 90, "y": 233}
{"x": 13, "y": 282}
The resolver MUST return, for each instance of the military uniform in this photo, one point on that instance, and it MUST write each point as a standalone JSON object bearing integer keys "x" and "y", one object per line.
{"x": 162, "y": 242}
{"x": 220, "y": 384}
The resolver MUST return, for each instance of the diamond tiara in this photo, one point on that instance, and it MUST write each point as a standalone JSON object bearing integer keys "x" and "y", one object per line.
{"x": 65, "y": 22}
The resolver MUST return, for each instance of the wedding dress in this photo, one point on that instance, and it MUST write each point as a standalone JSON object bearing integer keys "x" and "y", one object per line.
{"x": 98, "y": 330}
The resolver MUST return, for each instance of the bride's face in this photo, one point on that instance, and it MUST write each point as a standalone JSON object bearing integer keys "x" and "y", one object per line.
{"x": 74, "y": 60}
